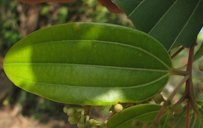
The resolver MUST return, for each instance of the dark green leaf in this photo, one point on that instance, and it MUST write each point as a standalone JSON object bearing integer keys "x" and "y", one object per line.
{"x": 88, "y": 63}
{"x": 126, "y": 118}
{"x": 172, "y": 22}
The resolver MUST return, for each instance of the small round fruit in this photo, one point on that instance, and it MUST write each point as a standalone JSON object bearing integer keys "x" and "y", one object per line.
{"x": 72, "y": 120}
{"x": 118, "y": 107}
{"x": 65, "y": 109}
{"x": 70, "y": 111}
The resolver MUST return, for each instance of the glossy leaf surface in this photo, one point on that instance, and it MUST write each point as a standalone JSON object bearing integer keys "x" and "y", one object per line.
{"x": 172, "y": 22}
{"x": 89, "y": 63}
{"x": 144, "y": 113}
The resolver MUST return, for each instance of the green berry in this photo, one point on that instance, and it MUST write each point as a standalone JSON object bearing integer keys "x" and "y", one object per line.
{"x": 72, "y": 120}
{"x": 65, "y": 109}
{"x": 70, "y": 111}
{"x": 87, "y": 118}
{"x": 94, "y": 122}
{"x": 105, "y": 122}
{"x": 77, "y": 116}
{"x": 118, "y": 107}
{"x": 79, "y": 109}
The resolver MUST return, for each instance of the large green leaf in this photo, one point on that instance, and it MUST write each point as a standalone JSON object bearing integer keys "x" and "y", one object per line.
{"x": 126, "y": 118}
{"x": 89, "y": 63}
{"x": 172, "y": 22}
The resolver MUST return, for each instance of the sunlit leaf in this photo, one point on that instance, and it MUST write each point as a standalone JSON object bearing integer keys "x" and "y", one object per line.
{"x": 89, "y": 63}
{"x": 172, "y": 22}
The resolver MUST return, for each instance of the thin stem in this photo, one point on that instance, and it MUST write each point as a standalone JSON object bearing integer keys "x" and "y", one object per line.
{"x": 179, "y": 72}
{"x": 160, "y": 113}
{"x": 188, "y": 87}
{"x": 179, "y": 101}
{"x": 176, "y": 89}
{"x": 163, "y": 108}
{"x": 177, "y": 52}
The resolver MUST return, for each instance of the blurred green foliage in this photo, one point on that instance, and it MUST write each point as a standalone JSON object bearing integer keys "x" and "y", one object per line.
{"x": 8, "y": 24}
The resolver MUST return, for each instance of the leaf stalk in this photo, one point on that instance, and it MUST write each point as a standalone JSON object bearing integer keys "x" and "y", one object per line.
{"x": 177, "y": 52}
{"x": 179, "y": 72}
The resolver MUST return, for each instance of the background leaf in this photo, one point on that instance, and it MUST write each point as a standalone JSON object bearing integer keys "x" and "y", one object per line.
{"x": 88, "y": 63}
{"x": 126, "y": 118}
{"x": 172, "y": 22}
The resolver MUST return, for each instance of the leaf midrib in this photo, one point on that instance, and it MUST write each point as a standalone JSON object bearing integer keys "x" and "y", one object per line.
{"x": 114, "y": 43}
{"x": 137, "y": 86}
{"x": 87, "y": 65}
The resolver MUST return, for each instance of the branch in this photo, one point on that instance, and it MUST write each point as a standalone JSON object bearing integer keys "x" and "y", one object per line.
{"x": 177, "y": 52}
{"x": 163, "y": 108}
{"x": 188, "y": 87}
{"x": 176, "y": 89}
